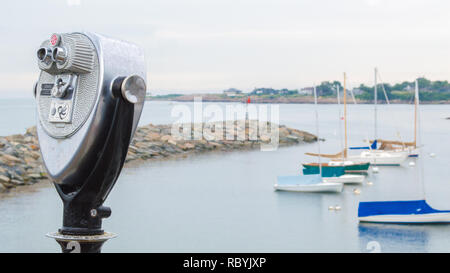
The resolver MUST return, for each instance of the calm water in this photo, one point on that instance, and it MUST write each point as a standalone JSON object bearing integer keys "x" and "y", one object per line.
{"x": 225, "y": 202}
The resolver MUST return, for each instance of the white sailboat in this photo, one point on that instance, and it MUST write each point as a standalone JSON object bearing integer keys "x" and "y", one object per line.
{"x": 399, "y": 146}
{"x": 389, "y": 152}
{"x": 380, "y": 157}
{"x": 377, "y": 157}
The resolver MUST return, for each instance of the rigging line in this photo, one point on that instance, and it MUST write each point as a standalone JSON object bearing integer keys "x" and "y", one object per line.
{"x": 352, "y": 94}
{"x": 411, "y": 99}
{"x": 382, "y": 86}
{"x": 354, "y": 102}
{"x": 397, "y": 131}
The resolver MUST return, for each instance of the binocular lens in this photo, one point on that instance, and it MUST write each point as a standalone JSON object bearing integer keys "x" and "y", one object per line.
{"x": 59, "y": 55}
{"x": 41, "y": 53}
{"x": 44, "y": 54}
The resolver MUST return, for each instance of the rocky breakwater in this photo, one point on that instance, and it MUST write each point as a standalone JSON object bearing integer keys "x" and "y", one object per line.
{"x": 20, "y": 159}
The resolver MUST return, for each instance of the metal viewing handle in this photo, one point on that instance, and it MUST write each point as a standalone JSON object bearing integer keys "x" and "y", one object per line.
{"x": 131, "y": 88}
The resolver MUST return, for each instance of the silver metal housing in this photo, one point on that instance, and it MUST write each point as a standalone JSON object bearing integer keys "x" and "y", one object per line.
{"x": 63, "y": 155}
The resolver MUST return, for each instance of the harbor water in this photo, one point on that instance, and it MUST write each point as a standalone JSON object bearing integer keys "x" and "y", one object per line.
{"x": 225, "y": 201}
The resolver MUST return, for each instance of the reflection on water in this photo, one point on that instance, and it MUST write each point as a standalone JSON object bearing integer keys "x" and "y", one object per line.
{"x": 393, "y": 238}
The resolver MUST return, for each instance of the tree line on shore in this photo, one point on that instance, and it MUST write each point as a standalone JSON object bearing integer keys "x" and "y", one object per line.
{"x": 404, "y": 91}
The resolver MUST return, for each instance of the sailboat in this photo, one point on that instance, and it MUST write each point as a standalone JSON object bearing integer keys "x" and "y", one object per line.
{"x": 391, "y": 146}
{"x": 340, "y": 159}
{"x": 406, "y": 212}
{"x": 378, "y": 157}
{"x": 409, "y": 211}
{"x": 309, "y": 182}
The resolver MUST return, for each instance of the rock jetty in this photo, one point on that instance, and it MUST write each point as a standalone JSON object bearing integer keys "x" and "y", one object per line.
{"x": 20, "y": 158}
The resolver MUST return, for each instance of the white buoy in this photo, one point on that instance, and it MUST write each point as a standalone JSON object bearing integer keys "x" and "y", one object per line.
{"x": 337, "y": 207}
{"x": 375, "y": 169}
{"x": 412, "y": 164}
{"x": 369, "y": 183}
{"x": 356, "y": 191}
{"x": 432, "y": 154}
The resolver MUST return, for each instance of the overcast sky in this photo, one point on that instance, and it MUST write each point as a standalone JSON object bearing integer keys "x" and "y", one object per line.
{"x": 208, "y": 45}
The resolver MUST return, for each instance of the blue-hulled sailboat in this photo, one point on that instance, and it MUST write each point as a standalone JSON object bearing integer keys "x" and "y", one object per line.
{"x": 407, "y": 212}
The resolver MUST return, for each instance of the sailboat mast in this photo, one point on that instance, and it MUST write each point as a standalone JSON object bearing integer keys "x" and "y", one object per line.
{"x": 340, "y": 120}
{"x": 375, "y": 100}
{"x": 317, "y": 130}
{"x": 345, "y": 116}
{"x": 416, "y": 104}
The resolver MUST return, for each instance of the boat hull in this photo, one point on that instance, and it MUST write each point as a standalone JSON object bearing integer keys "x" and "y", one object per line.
{"x": 320, "y": 187}
{"x": 413, "y": 153}
{"x": 408, "y": 219}
{"x": 380, "y": 158}
{"x": 349, "y": 168}
{"x": 306, "y": 183}
{"x": 401, "y": 212}
{"x": 346, "y": 179}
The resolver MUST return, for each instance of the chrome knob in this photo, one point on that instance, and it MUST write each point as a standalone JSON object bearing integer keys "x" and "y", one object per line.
{"x": 133, "y": 89}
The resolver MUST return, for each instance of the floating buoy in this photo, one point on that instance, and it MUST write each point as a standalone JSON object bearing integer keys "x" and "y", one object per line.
{"x": 412, "y": 164}
{"x": 369, "y": 183}
{"x": 337, "y": 207}
{"x": 432, "y": 154}
{"x": 375, "y": 169}
{"x": 356, "y": 191}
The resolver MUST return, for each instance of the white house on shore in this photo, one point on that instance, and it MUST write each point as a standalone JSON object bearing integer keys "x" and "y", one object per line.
{"x": 232, "y": 92}
{"x": 308, "y": 91}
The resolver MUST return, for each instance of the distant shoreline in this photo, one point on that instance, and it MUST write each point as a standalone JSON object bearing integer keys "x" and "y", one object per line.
{"x": 277, "y": 100}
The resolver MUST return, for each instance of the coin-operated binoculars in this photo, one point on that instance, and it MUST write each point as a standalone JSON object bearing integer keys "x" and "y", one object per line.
{"x": 90, "y": 95}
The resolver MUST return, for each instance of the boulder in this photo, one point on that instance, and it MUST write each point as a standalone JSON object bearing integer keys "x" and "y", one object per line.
{"x": 4, "y": 179}
{"x": 9, "y": 160}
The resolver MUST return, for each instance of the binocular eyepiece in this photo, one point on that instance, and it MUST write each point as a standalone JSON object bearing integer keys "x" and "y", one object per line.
{"x": 90, "y": 95}
{"x": 48, "y": 55}
{"x": 45, "y": 55}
